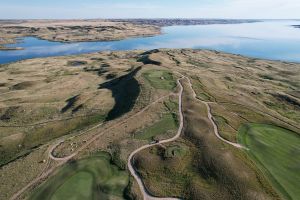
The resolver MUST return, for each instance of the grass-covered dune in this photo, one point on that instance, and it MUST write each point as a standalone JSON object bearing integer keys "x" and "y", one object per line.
{"x": 125, "y": 90}
{"x": 62, "y": 97}
{"x": 91, "y": 178}
{"x": 199, "y": 166}
{"x": 47, "y": 98}
{"x": 277, "y": 151}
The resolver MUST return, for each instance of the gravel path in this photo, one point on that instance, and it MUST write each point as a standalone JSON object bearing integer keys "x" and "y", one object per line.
{"x": 210, "y": 117}
{"x": 144, "y": 191}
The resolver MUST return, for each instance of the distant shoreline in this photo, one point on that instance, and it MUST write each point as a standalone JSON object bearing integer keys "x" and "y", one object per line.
{"x": 184, "y": 21}
{"x": 4, "y": 48}
{"x": 94, "y": 29}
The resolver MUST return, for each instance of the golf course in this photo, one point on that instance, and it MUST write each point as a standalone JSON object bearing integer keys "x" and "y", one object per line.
{"x": 89, "y": 178}
{"x": 276, "y": 150}
{"x": 166, "y": 123}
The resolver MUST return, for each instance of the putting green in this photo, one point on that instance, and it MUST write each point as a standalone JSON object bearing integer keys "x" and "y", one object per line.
{"x": 91, "y": 178}
{"x": 160, "y": 79}
{"x": 277, "y": 151}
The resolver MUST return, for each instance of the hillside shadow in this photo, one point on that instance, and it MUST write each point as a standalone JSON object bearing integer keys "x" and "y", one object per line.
{"x": 70, "y": 103}
{"x": 125, "y": 91}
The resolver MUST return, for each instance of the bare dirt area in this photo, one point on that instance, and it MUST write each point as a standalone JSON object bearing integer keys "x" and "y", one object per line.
{"x": 181, "y": 141}
{"x": 72, "y": 30}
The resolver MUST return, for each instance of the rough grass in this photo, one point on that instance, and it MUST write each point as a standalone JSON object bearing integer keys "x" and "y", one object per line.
{"x": 200, "y": 90}
{"x": 175, "y": 151}
{"x": 160, "y": 169}
{"x": 91, "y": 178}
{"x": 215, "y": 170}
{"x": 285, "y": 105}
{"x": 277, "y": 151}
{"x": 160, "y": 79}
{"x": 38, "y": 135}
{"x": 224, "y": 128}
{"x": 75, "y": 63}
{"x": 198, "y": 63}
{"x": 208, "y": 170}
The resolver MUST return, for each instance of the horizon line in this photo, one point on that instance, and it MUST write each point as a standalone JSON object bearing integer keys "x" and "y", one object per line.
{"x": 148, "y": 18}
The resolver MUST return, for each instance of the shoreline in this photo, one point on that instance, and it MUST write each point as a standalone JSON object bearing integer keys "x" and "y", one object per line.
{"x": 73, "y": 30}
{"x": 51, "y": 30}
{"x": 132, "y": 50}
{"x": 4, "y": 48}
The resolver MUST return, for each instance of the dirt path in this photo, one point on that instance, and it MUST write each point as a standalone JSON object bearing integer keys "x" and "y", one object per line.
{"x": 143, "y": 189}
{"x": 210, "y": 117}
{"x": 146, "y": 194}
{"x": 63, "y": 160}
{"x": 100, "y": 134}
{"x": 35, "y": 181}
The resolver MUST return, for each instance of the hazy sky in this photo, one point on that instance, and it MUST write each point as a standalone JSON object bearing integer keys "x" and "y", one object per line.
{"x": 149, "y": 9}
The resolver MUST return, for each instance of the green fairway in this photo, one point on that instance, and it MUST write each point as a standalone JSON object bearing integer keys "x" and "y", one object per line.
{"x": 91, "y": 178}
{"x": 166, "y": 123}
{"x": 277, "y": 151}
{"x": 160, "y": 79}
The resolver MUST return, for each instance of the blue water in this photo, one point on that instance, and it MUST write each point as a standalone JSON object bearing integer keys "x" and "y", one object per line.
{"x": 276, "y": 40}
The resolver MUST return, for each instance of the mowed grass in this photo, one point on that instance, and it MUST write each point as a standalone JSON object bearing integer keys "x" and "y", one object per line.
{"x": 277, "y": 150}
{"x": 160, "y": 79}
{"x": 91, "y": 178}
{"x": 166, "y": 123}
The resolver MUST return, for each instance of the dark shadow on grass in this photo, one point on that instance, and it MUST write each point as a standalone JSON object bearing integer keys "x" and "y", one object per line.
{"x": 125, "y": 91}
{"x": 70, "y": 103}
{"x": 76, "y": 63}
{"x": 145, "y": 59}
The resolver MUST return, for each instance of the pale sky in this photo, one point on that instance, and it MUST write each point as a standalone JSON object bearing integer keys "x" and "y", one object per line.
{"x": 66, "y": 9}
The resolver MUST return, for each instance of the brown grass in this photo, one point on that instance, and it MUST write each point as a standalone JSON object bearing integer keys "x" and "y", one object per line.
{"x": 34, "y": 92}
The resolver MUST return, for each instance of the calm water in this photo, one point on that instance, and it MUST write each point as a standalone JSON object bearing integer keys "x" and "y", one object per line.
{"x": 276, "y": 40}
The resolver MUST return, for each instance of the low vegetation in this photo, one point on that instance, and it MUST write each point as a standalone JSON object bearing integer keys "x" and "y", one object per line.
{"x": 276, "y": 151}
{"x": 167, "y": 170}
{"x": 75, "y": 63}
{"x": 18, "y": 145}
{"x": 173, "y": 151}
{"x": 48, "y": 98}
{"x": 202, "y": 172}
{"x": 52, "y": 98}
{"x": 200, "y": 90}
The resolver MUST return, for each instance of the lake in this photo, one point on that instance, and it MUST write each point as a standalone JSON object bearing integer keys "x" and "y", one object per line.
{"x": 272, "y": 39}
